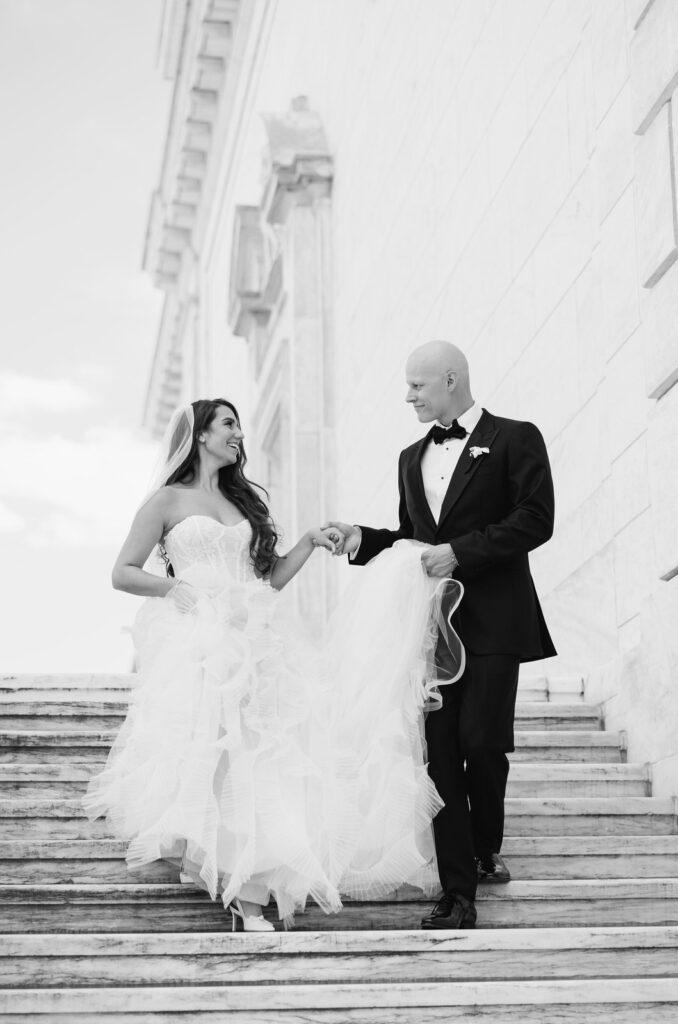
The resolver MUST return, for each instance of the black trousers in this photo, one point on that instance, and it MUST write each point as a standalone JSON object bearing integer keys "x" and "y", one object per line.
{"x": 467, "y": 740}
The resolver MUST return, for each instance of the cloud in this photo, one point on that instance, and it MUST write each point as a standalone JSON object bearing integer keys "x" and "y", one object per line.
{"x": 10, "y": 521}
{"x": 76, "y": 492}
{"x": 22, "y": 394}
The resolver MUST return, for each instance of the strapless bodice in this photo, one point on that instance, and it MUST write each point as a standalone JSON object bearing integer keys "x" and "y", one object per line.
{"x": 203, "y": 541}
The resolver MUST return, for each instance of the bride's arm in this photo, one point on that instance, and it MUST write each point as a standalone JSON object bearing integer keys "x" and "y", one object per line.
{"x": 287, "y": 566}
{"x": 146, "y": 531}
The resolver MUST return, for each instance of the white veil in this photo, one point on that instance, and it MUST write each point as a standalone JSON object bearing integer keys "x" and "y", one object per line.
{"x": 175, "y": 446}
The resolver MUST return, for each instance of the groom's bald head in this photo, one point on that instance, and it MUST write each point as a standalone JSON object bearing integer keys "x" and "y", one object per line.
{"x": 438, "y": 383}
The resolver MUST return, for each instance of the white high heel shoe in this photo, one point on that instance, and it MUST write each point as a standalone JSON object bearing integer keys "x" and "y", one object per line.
{"x": 249, "y": 924}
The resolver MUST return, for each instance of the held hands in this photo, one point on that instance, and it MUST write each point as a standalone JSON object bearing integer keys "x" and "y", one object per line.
{"x": 325, "y": 537}
{"x": 348, "y": 537}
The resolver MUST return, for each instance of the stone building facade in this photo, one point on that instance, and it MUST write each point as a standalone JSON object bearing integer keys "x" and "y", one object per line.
{"x": 342, "y": 181}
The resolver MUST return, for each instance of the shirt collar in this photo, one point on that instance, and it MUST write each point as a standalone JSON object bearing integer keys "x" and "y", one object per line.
{"x": 468, "y": 420}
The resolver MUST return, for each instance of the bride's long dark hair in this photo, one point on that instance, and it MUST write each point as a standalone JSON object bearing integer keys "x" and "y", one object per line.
{"x": 234, "y": 486}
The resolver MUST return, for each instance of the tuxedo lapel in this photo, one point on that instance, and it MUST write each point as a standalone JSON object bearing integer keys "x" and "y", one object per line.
{"x": 482, "y": 436}
{"x": 417, "y": 484}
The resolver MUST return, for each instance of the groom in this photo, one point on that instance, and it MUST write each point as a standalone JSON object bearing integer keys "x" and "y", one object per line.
{"x": 478, "y": 489}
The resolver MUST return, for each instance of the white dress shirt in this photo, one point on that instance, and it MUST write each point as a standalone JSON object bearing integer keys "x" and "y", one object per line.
{"x": 438, "y": 464}
{"x": 439, "y": 460}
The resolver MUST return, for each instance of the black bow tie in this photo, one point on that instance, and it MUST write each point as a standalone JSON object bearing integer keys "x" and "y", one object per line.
{"x": 439, "y": 434}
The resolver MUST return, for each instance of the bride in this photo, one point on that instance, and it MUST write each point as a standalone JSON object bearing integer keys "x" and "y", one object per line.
{"x": 260, "y": 765}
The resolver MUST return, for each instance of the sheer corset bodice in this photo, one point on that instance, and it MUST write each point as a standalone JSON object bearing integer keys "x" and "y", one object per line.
{"x": 202, "y": 541}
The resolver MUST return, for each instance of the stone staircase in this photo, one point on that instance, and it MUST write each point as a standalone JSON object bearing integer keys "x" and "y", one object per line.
{"x": 588, "y": 927}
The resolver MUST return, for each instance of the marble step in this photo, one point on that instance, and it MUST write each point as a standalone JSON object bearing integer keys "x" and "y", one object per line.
{"x": 567, "y": 779}
{"x": 81, "y": 715}
{"x": 221, "y": 958}
{"x": 79, "y": 696}
{"x": 607, "y": 1000}
{"x": 26, "y": 746}
{"x": 566, "y": 745}
{"x": 525, "y": 816}
{"x": 551, "y": 688}
{"x": 571, "y": 686}
{"x": 39, "y": 682}
{"x": 174, "y": 907}
{"x": 43, "y": 781}
{"x": 47, "y": 780}
{"x": 85, "y": 861}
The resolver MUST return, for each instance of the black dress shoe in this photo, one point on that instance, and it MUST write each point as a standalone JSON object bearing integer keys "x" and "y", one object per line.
{"x": 493, "y": 869}
{"x": 452, "y": 911}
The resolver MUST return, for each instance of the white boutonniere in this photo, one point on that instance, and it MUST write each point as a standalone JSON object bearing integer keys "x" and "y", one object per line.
{"x": 475, "y": 451}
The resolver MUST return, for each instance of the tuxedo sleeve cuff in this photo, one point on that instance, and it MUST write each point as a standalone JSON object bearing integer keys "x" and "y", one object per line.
{"x": 354, "y": 554}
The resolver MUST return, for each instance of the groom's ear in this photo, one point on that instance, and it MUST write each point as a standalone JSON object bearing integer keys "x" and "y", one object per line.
{"x": 451, "y": 380}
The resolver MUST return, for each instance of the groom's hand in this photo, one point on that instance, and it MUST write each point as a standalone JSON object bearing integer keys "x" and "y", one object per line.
{"x": 439, "y": 560}
{"x": 351, "y": 537}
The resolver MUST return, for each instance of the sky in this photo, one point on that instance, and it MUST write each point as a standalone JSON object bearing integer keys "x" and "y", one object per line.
{"x": 84, "y": 111}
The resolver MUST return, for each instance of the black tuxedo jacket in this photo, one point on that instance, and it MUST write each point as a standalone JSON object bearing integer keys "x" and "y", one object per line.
{"x": 498, "y": 507}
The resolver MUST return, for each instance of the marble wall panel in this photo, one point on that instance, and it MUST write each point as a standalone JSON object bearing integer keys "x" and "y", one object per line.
{"x": 662, "y": 445}
{"x": 481, "y": 83}
{"x": 655, "y": 199}
{"x": 609, "y": 46}
{"x": 581, "y": 105}
{"x": 508, "y": 128}
{"x": 634, "y": 561}
{"x": 520, "y": 25}
{"x": 654, "y": 61}
{"x": 565, "y": 248}
{"x": 630, "y": 483}
{"x": 614, "y": 161}
{"x": 659, "y": 310}
{"x": 651, "y": 689}
{"x": 486, "y": 267}
{"x": 619, "y": 272}
{"x": 665, "y": 776}
{"x": 636, "y": 10}
{"x": 581, "y": 614}
{"x": 591, "y": 337}
{"x": 554, "y": 562}
{"x": 542, "y": 384}
{"x": 629, "y": 634}
{"x": 539, "y": 179}
{"x": 513, "y": 326}
{"x": 625, "y": 409}
{"x": 579, "y": 460}
{"x": 556, "y": 39}
{"x": 597, "y": 519}
{"x": 579, "y": 537}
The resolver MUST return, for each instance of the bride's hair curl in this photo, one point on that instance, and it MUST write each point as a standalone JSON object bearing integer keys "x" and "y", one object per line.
{"x": 233, "y": 484}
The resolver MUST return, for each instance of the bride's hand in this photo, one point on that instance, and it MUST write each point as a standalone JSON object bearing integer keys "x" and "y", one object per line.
{"x": 326, "y": 538}
{"x": 184, "y": 596}
{"x": 349, "y": 537}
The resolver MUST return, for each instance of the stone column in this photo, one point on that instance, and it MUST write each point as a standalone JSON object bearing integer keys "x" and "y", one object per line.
{"x": 281, "y": 301}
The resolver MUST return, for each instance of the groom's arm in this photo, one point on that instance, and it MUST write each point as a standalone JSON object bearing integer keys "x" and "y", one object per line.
{"x": 374, "y": 541}
{"x": 530, "y": 520}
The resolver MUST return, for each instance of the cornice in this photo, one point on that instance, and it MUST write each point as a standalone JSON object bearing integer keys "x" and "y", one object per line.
{"x": 197, "y": 38}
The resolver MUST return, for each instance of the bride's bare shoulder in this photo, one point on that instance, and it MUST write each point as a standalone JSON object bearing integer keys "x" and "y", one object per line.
{"x": 163, "y": 502}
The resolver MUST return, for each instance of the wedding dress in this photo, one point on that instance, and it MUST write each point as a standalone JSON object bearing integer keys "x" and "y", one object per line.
{"x": 261, "y": 764}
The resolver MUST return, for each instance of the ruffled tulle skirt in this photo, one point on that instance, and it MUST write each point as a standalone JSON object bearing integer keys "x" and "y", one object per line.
{"x": 261, "y": 765}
